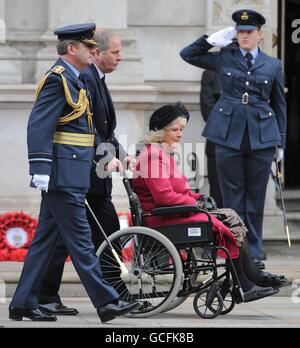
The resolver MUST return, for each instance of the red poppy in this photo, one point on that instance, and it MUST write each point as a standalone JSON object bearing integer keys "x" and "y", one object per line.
{"x": 16, "y": 233}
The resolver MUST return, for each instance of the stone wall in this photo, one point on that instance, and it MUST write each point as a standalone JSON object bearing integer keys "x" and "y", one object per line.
{"x": 152, "y": 73}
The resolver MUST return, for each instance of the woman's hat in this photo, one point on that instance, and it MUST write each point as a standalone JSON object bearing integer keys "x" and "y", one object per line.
{"x": 166, "y": 114}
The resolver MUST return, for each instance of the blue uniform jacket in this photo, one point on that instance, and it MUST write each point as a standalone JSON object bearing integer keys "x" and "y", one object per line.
{"x": 69, "y": 166}
{"x": 265, "y": 113}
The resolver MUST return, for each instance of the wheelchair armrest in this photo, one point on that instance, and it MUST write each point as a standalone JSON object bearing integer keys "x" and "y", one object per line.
{"x": 175, "y": 209}
{"x": 178, "y": 209}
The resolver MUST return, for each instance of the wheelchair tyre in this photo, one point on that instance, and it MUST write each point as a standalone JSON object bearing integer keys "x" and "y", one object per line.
{"x": 154, "y": 265}
{"x": 175, "y": 303}
{"x": 203, "y": 309}
{"x": 228, "y": 302}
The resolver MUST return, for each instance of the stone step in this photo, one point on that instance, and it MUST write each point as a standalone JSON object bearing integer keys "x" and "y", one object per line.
{"x": 281, "y": 260}
{"x": 291, "y": 199}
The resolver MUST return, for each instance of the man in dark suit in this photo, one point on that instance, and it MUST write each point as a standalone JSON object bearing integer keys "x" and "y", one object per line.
{"x": 106, "y": 58}
{"x": 249, "y": 120}
{"x": 60, "y": 138}
{"x": 209, "y": 95}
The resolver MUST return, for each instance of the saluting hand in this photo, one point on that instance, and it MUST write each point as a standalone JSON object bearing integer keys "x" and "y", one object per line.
{"x": 222, "y": 37}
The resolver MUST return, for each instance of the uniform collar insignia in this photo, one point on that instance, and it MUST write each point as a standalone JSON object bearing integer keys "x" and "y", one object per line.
{"x": 58, "y": 69}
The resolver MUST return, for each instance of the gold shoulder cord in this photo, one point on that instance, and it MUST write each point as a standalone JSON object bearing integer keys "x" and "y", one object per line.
{"x": 79, "y": 108}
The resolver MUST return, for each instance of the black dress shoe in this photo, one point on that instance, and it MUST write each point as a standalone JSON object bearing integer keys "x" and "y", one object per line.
{"x": 57, "y": 309}
{"x": 273, "y": 280}
{"x": 263, "y": 256}
{"x": 112, "y": 310}
{"x": 32, "y": 314}
{"x": 259, "y": 264}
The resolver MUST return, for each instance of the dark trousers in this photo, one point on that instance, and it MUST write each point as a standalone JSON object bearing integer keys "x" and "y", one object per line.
{"x": 106, "y": 214}
{"x": 62, "y": 216}
{"x": 214, "y": 186}
{"x": 243, "y": 177}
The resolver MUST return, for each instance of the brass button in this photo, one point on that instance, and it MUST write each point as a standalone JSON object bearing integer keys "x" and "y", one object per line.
{"x": 249, "y": 73}
{"x": 266, "y": 82}
{"x": 74, "y": 156}
{"x": 247, "y": 83}
{"x": 221, "y": 109}
{"x": 229, "y": 74}
{"x": 270, "y": 113}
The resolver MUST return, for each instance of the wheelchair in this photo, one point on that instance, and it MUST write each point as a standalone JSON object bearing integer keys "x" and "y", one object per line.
{"x": 164, "y": 264}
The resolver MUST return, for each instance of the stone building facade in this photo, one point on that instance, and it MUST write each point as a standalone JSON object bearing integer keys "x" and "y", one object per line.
{"x": 151, "y": 73}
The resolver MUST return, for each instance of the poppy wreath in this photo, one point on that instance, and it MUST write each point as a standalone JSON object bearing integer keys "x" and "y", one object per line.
{"x": 16, "y": 233}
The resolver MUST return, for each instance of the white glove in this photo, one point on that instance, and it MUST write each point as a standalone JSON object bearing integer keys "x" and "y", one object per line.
{"x": 41, "y": 181}
{"x": 279, "y": 155}
{"x": 222, "y": 37}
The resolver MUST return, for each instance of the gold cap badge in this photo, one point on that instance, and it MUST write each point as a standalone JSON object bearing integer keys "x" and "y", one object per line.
{"x": 245, "y": 16}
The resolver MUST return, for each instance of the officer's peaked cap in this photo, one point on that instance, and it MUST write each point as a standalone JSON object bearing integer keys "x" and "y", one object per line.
{"x": 83, "y": 32}
{"x": 248, "y": 19}
{"x": 166, "y": 114}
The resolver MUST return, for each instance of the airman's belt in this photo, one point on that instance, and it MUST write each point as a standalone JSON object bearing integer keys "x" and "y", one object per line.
{"x": 76, "y": 139}
{"x": 245, "y": 98}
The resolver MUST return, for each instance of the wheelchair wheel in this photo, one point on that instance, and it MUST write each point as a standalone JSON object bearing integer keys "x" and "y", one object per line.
{"x": 175, "y": 303}
{"x": 179, "y": 300}
{"x": 208, "y": 304}
{"x": 228, "y": 301}
{"x": 154, "y": 268}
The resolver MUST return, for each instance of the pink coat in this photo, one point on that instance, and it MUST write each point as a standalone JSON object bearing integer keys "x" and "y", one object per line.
{"x": 158, "y": 182}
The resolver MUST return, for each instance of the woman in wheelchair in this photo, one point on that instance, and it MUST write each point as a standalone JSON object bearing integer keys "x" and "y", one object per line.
{"x": 158, "y": 182}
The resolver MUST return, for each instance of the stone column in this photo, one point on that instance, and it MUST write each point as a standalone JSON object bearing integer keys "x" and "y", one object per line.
{"x": 24, "y": 28}
{"x": 108, "y": 14}
{"x": 2, "y": 22}
{"x": 10, "y": 67}
{"x": 219, "y": 15}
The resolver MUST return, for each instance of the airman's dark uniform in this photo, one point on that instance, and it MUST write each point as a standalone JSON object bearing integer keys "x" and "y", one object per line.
{"x": 61, "y": 145}
{"x": 246, "y": 123}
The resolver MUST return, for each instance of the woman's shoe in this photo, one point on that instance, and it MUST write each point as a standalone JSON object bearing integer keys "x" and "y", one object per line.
{"x": 273, "y": 280}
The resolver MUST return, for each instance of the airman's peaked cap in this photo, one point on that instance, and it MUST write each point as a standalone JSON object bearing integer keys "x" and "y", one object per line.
{"x": 248, "y": 19}
{"x": 83, "y": 32}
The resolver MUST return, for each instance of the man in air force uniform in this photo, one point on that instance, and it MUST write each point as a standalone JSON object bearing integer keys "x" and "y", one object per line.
{"x": 60, "y": 150}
